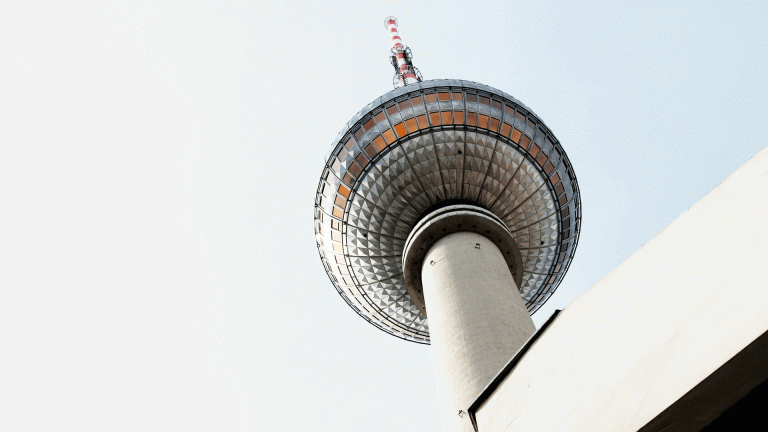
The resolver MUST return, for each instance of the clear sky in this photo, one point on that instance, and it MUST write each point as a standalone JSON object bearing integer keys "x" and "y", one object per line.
{"x": 158, "y": 169}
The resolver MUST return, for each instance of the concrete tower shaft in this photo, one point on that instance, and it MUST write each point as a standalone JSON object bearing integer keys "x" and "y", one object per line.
{"x": 463, "y": 266}
{"x": 478, "y": 320}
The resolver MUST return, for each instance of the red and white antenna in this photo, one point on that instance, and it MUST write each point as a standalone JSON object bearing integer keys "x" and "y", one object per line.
{"x": 401, "y": 58}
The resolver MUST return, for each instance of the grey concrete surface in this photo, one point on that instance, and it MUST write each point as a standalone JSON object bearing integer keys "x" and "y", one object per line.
{"x": 663, "y": 321}
{"x": 476, "y": 323}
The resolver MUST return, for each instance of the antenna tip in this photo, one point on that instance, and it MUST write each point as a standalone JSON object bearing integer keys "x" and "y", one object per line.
{"x": 388, "y": 19}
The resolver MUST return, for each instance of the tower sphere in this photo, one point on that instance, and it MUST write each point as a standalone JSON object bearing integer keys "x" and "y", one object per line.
{"x": 436, "y": 144}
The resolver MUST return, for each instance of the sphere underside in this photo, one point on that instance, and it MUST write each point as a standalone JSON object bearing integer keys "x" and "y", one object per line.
{"x": 430, "y": 143}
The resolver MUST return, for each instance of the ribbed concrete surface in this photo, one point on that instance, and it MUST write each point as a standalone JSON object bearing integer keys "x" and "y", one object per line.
{"x": 476, "y": 326}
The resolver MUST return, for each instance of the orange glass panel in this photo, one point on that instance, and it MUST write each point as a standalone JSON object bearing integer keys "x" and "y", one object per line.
{"x": 422, "y": 119}
{"x": 336, "y": 236}
{"x": 444, "y": 96}
{"x": 370, "y": 150}
{"x": 505, "y": 128}
{"x": 530, "y": 123}
{"x": 524, "y": 143}
{"x": 566, "y": 211}
{"x": 348, "y": 178}
{"x": 355, "y": 169}
{"x": 339, "y": 213}
{"x": 515, "y": 136}
{"x": 359, "y": 133}
{"x": 435, "y": 118}
{"x": 494, "y": 124}
{"x": 471, "y": 97}
{"x": 496, "y": 104}
{"x": 555, "y": 178}
{"x": 362, "y": 160}
{"x": 389, "y": 137}
{"x": 548, "y": 167}
{"x": 349, "y": 143}
{"x": 335, "y": 165}
{"x": 342, "y": 154}
{"x": 520, "y": 117}
{"x": 456, "y": 96}
{"x": 431, "y": 97}
{"x": 446, "y": 117}
{"x": 337, "y": 248}
{"x": 404, "y": 105}
{"x": 417, "y": 100}
{"x": 482, "y": 121}
{"x": 458, "y": 117}
{"x": 392, "y": 110}
{"x": 559, "y": 189}
{"x": 562, "y": 200}
{"x": 541, "y": 158}
{"x": 471, "y": 118}
{"x": 534, "y": 150}
{"x": 379, "y": 143}
{"x": 400, "y": 129}
{"x": 380, "y": 117}
{"x": 335, "y": 224}
{"x": 410, "y": 124}
{"x": 509, "y": 111}
{"x": 484, "y": 100}
{"x": 369, "y": 125}
{"x": 343, "y": 190}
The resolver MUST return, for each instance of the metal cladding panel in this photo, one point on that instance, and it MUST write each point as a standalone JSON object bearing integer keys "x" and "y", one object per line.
{"x": 429, "y": 142}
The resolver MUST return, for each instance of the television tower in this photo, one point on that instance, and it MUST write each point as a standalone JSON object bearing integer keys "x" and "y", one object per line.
{"x": 453, "y": 200}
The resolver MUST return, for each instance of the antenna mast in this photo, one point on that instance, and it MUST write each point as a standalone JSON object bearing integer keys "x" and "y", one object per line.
{"x": 401, "y": 58}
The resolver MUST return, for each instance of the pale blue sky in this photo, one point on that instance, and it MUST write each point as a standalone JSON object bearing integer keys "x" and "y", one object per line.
{"x": 159, "y": 166}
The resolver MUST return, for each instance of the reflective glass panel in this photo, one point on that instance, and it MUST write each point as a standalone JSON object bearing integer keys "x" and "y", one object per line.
{"x": 410, "y": 124}
{"x": 370, "y": 150}
{"x": 505, "y": 129}
{"x": 389, "y": 137}
{"x": 362, "y": 160}
{"x": 422, "y": 120}
{"x": 400, "y": 129}
{"x": 369, "y": 125}
{"x": 379, "y": 143}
